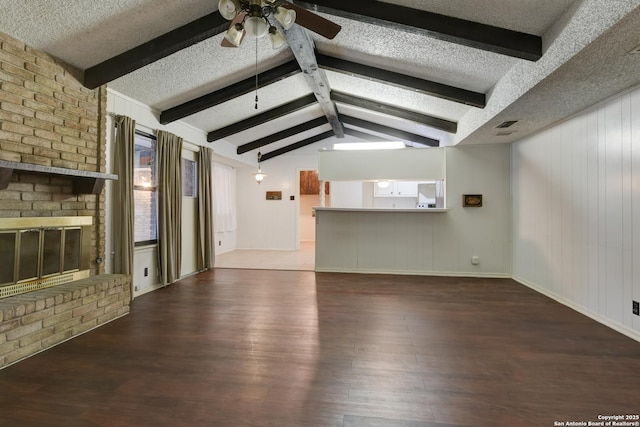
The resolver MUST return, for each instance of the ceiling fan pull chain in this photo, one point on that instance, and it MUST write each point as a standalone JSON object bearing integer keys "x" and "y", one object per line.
{"x": 256, "y": 106}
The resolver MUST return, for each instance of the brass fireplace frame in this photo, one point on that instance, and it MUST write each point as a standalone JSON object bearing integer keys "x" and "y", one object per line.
{"x": 18, "y": 226}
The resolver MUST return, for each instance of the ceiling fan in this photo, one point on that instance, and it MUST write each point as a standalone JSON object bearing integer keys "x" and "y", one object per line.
{"x": 252, "y": 17}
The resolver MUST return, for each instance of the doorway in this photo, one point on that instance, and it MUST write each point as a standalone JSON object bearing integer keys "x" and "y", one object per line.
{"x": 309, "y": 198}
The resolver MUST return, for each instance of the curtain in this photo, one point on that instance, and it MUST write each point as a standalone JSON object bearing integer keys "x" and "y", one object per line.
{"x": 224, "y": 195}
{"x": 123, "y": 244}
{"x": 169, "y": 206}
{"x": 206, "y": 247}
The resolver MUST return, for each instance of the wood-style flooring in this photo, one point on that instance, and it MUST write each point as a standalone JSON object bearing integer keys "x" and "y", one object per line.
{"x": 245, "y": 348}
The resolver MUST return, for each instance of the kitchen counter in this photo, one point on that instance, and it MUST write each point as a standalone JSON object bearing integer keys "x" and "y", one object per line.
{"x": 397, "y": 210}
{"x": 378, "y": 240}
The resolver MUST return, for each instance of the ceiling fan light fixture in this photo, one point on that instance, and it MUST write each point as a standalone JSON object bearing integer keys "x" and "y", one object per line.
{"x": 277, "y": 39}
{"x": 285, "y": 17}
{"x": 235, "y": 34}
{"x": 228, "y": 9}
{"x": 256, "y": 26}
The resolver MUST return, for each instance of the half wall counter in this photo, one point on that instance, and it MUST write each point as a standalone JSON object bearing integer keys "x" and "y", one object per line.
{"x": 375, "y": 240}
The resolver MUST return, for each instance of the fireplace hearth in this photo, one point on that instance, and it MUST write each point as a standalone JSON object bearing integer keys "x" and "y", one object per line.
{"x": 37, "y": 253}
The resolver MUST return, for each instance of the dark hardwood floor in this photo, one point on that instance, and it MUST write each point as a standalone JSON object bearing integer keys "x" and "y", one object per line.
{"x": 291, "y": 348}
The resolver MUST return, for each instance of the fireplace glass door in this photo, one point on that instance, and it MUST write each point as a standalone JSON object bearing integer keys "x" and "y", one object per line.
{"x": 7, "y": 255}
{"x": 28, "y": 256}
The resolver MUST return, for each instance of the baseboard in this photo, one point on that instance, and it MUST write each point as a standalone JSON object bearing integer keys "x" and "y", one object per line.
{"x": 416, "y": 273}
{"x": 582, "y": 310}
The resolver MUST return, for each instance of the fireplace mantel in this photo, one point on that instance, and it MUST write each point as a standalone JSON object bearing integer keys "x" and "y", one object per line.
{"x": 84, "y": 182}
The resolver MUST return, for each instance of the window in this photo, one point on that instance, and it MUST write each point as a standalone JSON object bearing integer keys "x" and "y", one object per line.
{"x": 144, "y": 190}
{"x": 224, "y": 196}
{"x": 189, "y": 178}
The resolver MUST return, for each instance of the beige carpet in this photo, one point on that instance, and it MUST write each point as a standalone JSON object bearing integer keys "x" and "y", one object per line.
{"x": 302, "y": 259}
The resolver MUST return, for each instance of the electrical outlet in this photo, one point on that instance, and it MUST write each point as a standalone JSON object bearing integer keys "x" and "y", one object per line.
{"x": 146, "y": 271}
{"x": 475, "y": 260}
{"x": 636, "y": 308}
{"x": 135, "y": 288}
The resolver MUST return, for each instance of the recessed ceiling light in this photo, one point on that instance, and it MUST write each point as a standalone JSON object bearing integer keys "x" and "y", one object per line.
{"x": 505, "y": 133}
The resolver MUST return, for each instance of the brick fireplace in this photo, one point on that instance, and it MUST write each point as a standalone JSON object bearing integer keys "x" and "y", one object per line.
{"x": 42, "y": 252}
{"x": 52, "y": 165}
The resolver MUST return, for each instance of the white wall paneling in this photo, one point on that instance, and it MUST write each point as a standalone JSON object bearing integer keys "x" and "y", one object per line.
{"x": 423, "y": 242}
{"x": 145, "y": 258}
{"x": 576, "y": 211}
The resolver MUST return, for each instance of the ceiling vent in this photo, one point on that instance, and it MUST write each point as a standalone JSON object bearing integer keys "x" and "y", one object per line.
{"x": 506, "y": 124}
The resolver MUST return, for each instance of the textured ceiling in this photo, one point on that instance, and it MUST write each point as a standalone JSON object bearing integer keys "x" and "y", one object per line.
{"x": 585, "y": 59}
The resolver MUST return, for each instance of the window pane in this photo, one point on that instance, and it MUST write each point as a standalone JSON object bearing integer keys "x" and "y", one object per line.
{"x": 144, "y": 193}
{"x": 189, "y": 178}
{"x": 144, "y": 162}
{"x": 145, "y": 222}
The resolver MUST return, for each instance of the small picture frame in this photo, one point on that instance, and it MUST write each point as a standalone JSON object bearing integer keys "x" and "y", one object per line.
{"x": 472, "y": 200}
{"x": 274, "y": 195}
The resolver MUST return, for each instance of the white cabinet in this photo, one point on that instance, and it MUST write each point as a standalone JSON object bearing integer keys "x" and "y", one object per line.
{"x": 397, "y": 189}
{"x": 406, "y": 189}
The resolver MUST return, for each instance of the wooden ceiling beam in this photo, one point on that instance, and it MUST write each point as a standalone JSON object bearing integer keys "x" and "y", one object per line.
{"x": 302, "y": 46}
{"x": 274, "y": 113}
{"x": 363, "y": 135}
{"x": 295, "y": 146}
{"x": 442, "y": 27}
{"x": 415, "y": 84}
{"x": 229, "y": 92}
{"x": 431, "y": 121}
{"x": 153, "y": 50}
{"x": 396, "y": 133}
{"x": 281, "y": 135}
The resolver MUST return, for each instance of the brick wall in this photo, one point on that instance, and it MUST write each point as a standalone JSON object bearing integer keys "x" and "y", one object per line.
{"x": 48, "y": 118}
{"x": 33, "y": 322}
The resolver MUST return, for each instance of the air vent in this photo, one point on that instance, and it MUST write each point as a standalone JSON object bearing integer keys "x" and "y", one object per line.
{"x": 506, "y": 124}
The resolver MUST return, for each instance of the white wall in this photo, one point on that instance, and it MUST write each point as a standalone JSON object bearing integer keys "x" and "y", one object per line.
{"x": 306, "y": 219}
{"x": 576, "y": 212}
{"x": 271, "y": 224}
{"x": 429, "y": 242}
{"x": 485, "y": 231}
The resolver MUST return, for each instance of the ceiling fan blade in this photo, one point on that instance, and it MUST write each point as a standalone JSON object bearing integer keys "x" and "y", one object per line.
{"x": 313, "y": 22}
{"x": 237, "y": 20}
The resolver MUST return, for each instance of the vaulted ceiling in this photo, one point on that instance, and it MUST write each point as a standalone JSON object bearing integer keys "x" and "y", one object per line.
{"x": 426, "y": 72}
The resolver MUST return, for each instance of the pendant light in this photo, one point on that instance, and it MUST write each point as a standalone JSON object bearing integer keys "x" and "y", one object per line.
{"x": 259, "y": 176}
